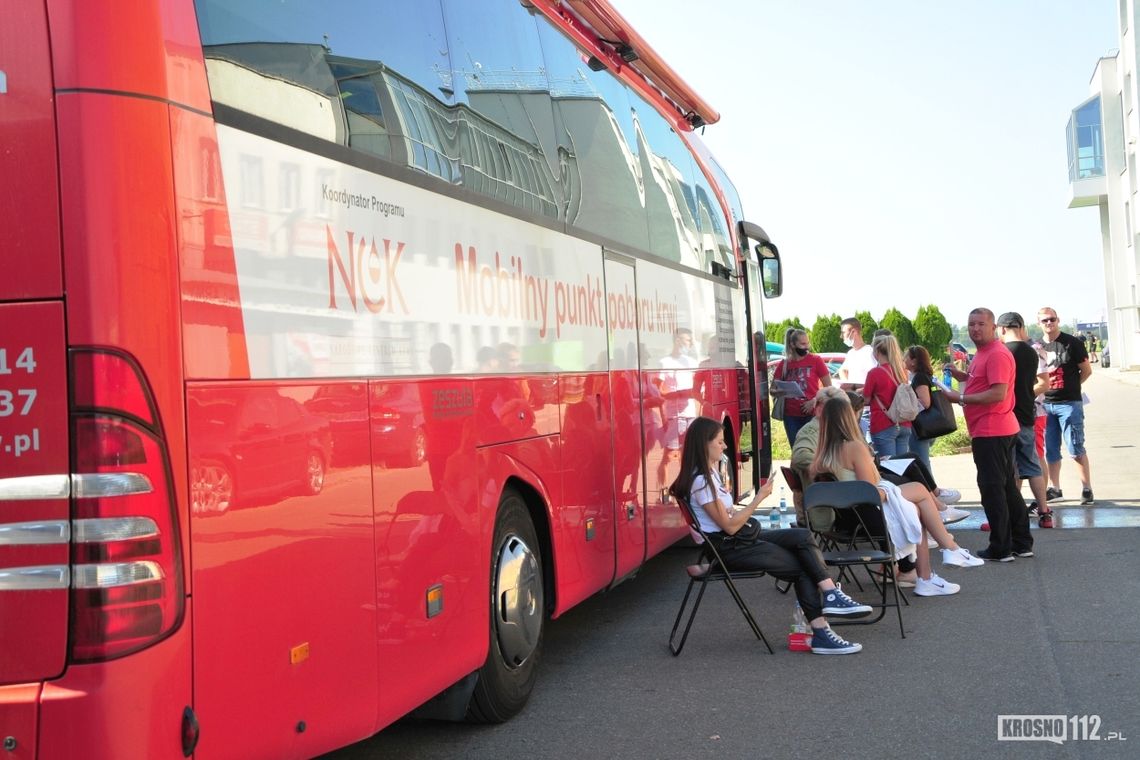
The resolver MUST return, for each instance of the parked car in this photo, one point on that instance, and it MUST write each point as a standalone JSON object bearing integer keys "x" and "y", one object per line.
{"x": 833, "y": 360}
{"x": 254, "y": 448}
{"x": 959, "y": 353}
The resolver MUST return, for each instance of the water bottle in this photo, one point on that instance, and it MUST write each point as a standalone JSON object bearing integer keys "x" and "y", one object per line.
{"x": 783, "y": 501}
{"x": 799, "y": 621}
{"x": 774, "y": 519}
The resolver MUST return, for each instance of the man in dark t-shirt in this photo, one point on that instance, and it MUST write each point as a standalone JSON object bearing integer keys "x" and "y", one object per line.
{"x": 1067, "y": 364}
{"x": 1026, "y": 385}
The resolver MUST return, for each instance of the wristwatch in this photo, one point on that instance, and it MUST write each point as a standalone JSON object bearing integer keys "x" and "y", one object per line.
{"x": 961, "y": 399}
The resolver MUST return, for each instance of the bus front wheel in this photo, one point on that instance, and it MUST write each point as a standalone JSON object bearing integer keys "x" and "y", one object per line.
{"x": 517, "y": 616}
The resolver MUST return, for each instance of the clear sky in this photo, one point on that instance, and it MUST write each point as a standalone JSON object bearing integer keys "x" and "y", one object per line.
{"x": 901, "y": 152}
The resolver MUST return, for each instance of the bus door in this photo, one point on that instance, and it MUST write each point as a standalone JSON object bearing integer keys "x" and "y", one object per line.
{"x": 760, "y": 460}
{"x": 627, "y": 413}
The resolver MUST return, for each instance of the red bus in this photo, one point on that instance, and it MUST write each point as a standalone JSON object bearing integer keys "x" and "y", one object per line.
{"x": 342, "y": 346}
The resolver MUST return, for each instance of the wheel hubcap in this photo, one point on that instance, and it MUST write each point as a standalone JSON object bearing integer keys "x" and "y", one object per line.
{"x": 518, "y": 601}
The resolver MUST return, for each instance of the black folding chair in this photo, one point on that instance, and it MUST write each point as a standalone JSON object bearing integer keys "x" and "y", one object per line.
{"x": 854, "y": 508}
{"x": 710, "y": 570}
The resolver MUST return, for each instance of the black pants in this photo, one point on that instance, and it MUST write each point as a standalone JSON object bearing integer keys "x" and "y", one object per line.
{"x": 1001, "y": 495}
{"x": 790, "y": 555}
{"x": 916, "y": 472}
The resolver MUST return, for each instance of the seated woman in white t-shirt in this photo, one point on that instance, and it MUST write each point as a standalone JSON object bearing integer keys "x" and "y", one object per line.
{"x": 789, "y": 555}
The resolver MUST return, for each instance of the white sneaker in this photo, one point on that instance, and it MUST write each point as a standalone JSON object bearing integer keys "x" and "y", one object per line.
{"x": 953, "y": 515}
{"x": 948, "y": 495}
{"x": 961, "y": 558}
{"x": 931, "y": 543}
{"x": 936, "y": 586}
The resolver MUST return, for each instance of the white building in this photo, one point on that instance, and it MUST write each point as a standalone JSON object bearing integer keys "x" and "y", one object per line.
{"x": 1102, "y": 139}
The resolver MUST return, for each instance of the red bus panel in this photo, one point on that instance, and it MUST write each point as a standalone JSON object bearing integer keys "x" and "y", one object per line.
{"x": 33, "y": 531}
{"x": 29, "y": 190}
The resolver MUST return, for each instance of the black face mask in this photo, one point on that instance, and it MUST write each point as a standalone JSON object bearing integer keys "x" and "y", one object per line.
{"x": 801, "y": 351}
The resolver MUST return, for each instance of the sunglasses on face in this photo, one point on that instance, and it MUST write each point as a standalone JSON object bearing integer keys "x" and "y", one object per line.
{"x": 1047, "y": 320}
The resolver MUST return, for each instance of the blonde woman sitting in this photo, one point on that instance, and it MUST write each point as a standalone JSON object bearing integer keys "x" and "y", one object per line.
{"x": 909, "y": 509}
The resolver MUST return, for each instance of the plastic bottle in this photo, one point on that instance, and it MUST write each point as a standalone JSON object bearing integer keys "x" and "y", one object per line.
{"x": 799, "y": 621}
{"x": 783, "y": 501}
{"x": 774, "y": 518}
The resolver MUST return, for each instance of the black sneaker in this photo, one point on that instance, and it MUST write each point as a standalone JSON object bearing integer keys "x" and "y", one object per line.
{"x": 1052, "y": 493}
{"x": 1023, "y": 553}
{"x": 1086, "y": 497}
{"x": 985, "y": 554}
{"x": 1031, "y": 508}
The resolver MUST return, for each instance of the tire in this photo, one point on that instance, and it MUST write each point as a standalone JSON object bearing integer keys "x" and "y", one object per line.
{"x": 518, "y": 616}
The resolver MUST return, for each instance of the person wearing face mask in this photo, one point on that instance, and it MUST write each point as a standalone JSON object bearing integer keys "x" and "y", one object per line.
{"x": 807, "y": 371}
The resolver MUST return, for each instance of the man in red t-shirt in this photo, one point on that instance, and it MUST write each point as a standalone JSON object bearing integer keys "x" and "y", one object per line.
{"x": 987, "y": 401}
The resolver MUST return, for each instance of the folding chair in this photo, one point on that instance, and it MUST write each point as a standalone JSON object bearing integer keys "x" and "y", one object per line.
{"x": 795, "y": 482}
{"x": 702, "y": 575}
{"x": 856, "y": 508}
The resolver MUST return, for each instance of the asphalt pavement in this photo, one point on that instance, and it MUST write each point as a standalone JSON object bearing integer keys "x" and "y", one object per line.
{"x": 1055, "y": 635}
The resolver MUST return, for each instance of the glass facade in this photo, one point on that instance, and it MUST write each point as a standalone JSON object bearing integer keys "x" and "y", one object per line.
{"x": 1085, "y": 139}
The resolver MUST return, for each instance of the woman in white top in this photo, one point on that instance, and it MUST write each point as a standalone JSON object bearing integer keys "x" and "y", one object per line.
{"x": 790, "y": 555}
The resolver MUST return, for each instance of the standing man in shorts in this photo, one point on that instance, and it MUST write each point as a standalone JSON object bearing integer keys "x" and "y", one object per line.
{"x": 1067, "y": 363}
{"x": 1027, "y": 384}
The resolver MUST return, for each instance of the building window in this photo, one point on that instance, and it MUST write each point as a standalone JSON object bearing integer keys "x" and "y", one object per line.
{"x": 1128, "y": 222}
{"x": 1086, "y": 141}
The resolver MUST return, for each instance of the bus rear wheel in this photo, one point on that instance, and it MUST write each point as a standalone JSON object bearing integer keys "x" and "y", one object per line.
{"x": 518, "y": 615}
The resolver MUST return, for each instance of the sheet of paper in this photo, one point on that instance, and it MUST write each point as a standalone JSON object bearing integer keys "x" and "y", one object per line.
{"x": 897, "y": 466}
{"x": 790, "y": 389}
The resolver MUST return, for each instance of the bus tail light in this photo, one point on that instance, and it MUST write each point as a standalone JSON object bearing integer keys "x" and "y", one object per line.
{"x": 126, "y": 561}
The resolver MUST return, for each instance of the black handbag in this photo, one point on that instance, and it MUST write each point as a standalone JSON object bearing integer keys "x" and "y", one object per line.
{"x": 936, "y": 420}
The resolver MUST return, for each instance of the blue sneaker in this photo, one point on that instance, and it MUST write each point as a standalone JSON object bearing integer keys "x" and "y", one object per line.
{"x": 835, "y": 602}
{"x": 827, "y": 641}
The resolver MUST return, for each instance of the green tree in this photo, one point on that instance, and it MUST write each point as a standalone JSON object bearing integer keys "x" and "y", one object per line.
{"x": 895, "y": 321}
{"x": 825, "y": 334}
{"x": 933, "y": 330}
{"x": 774, "y": 331}
{"x": 869, "y": 324}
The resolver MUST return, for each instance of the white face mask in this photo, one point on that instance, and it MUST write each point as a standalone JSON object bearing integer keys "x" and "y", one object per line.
{"x": 849, "y": 342}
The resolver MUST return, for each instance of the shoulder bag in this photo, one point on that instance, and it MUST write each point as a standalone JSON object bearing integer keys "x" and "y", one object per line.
{"x": 778, "y": 404}
{"x": 936, "y": 420}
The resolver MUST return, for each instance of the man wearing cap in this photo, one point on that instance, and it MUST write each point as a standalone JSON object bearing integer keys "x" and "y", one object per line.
{"x": 987, "y": 400}
{"x": 1067, "y": 363}
{"x": 1030, "y": 379}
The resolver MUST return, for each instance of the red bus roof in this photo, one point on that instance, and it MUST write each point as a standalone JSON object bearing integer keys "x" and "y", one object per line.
{"x": 595, "y": 25}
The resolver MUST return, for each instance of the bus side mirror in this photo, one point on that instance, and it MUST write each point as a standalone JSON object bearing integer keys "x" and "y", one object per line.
{"x": 766, "y": 255}
{"x": 769, "y": 258}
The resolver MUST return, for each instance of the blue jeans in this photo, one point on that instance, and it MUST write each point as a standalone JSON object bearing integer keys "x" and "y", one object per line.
{"x": 890, "y": 442}
{"x": 792, "y": 425}
{"x": 865, "y": 423}
{"x": 920, "y": 448}
{"x": 1064, "y": 419}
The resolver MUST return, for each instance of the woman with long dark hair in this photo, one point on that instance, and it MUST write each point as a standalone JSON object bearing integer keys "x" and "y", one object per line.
{"x": 790, "y": 555}
{"x": 917, "y": 361}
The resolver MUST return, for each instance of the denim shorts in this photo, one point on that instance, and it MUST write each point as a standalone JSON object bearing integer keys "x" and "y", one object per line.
{"x": 1064, "y": 419}
{"x": 1025, "y": 453}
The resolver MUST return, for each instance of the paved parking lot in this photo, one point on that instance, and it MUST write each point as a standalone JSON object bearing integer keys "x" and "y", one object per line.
{"x": 1058, "y": 634}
